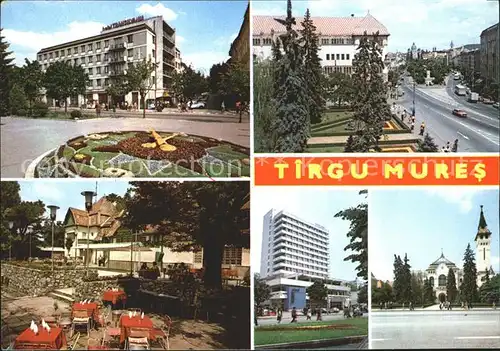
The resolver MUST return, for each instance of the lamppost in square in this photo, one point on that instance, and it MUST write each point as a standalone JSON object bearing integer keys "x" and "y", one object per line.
{"x": 53, "y": 211}
{"x": 11, "y": 225}
{"x": 89, "y": 196}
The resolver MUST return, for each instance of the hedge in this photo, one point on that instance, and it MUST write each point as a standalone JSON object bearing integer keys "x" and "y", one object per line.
{"x": 381, "y": 143}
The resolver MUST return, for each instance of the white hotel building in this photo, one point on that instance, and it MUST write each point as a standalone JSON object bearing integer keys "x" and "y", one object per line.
{"x": 338, "y": 38}
{"x": 294, "y": 254}
{"x": 108, "y": 54}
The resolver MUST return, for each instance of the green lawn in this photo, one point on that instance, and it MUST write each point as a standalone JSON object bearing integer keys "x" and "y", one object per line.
{"x": 265, "y": 335}
{"x": 331, "y": 116}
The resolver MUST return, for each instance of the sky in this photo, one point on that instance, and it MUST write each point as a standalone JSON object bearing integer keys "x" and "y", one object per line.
{"x": 204, "y": 29}
{"x": 428, "y": 23}
{"x": 422, "y": 222}
{"x": 67, "y": 193}
{"x": 316, "y": 205}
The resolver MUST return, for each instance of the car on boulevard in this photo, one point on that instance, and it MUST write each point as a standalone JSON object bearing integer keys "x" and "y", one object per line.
{"x": 197, "y": 105}
{"x": 488, "y": 101}
{"x": 495, "y": 105}
{"x": 460, "y": 113}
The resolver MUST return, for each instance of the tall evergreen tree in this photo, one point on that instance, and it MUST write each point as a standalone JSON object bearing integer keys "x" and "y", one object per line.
{"x": 428, "y": 292}
{"x": 416, "y": 289}
{"x": 292, "y": 124}
{"x": 406, "y": 280}
{"x": 369, "y": 99}
{"x": 451, "y": 286}
{"x": 468, "y": 289}
{"x": 397, "y": 285}
{"x": 6, "y": 66}
{"x": 313, "y": 72}
{"x": 427, "y": 144}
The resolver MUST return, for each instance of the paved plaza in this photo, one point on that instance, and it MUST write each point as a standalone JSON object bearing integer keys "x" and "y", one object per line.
{"x": 23, "y": 139}
{"x": 435, "y": 329}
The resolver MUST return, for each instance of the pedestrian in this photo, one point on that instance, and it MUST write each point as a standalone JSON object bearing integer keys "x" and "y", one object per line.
{"x": 413, "y": 118}
{"x": 403, "y": 306}
{"x": 98, "y": 110}
{"x": 294, "y": 315}
{"x": 318, "y": 315}
{"x": 308, "y": 314}
{"x": 455, "y": 146}
{"x": 443, "y": 149}
{"x": 411, "y": 306}
{"x": 422, "y": 128}
{"x": 279, "y": 315}
{"x": 222, "y": 106}
{"x": 494, "y": 305}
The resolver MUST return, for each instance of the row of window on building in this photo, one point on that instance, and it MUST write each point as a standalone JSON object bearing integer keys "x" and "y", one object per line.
{"x": 307, "y": 263}
{"x": 308, "y": 228}
{"x": 337, "y": 57}
{"x": 299, "y": 271}
{"x": 88, "y": 47}
{"x": 304, "y": 253}
{"x": 340, "y": 69}
{"x": 322, "y": 41}
{"x": 291, "y": 241}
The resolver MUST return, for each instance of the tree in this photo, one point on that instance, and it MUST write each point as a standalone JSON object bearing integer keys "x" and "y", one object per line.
{"x": 312, "y": 69}
{"x": 32, "y": 78}
{"x": 429, "y": 296}
{"x": 6, "y": 67}
{"x": 264, "y": 108}
{"x": 397, "y": 285}
{"x": 468, "y": 288}
{"x": 217, "y": 71}
{"x": 318, "y": 293}
{"x": 406, "y": 292}
{"x": 358, "y": 236}
{"x": 369, "y": 100}
{"x": 490, "y": 290}
{"x": 349, "y": 144}
{"x": 451, "y": 286}
{"x": 63, "y": 81}
{"x": 191, "y": 216}
{"x": 17, "y": 100}
{"x": 417, "y": 289}
{"x": 292, "y": 124}
{"x": 138, "y": 78}
{"x": 339, "y": 87}
{"x": 188, "y": 83}
{"x": 68, "y": 244}
{"x": 427, "y": 144}
{"x": 116, "y": 89}
{"x": 119, "y": 201}
{"x": 236, "y": 81}
{"x": 261, "y": 291}
{"x": 363, "y": 294}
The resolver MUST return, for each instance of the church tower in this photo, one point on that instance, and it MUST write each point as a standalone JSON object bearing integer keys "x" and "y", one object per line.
{"x": 483, "y": 249}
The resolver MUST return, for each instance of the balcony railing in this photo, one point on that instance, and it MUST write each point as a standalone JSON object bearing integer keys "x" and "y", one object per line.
{"x": 169, "y": 50}
{"x": 116, "y": 73}
{"x": 168, "y": 38}
{"x": 120, "y": 59}
{"x": 116, "y": 47}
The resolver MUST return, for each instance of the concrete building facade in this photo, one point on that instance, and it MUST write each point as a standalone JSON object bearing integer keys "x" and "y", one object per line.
{"x": 107, "y": 56}
{"x": 292, "y": 245}
{"x": 489, "y": 52}
{"x": 338, "y": 38}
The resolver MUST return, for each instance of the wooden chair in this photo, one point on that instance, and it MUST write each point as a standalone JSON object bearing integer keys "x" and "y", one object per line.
{"x": 103, "y": 316}
{"x": 111, "y": 335}
{"x": 80, "y": 318}
{"x": 137, "y": 344}
{"x": 137, "y": 310}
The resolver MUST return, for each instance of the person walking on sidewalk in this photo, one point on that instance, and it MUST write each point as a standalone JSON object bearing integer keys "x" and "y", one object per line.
{"x": 454, "y": 148}
{"x": 279, "y": 315}
{"x": 294, "y": 315}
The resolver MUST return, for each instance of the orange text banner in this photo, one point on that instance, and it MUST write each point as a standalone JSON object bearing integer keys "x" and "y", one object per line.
{"x": 424, "y": 170}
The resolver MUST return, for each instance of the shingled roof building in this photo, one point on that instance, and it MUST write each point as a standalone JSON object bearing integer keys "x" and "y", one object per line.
{"x": 103, "y": 222}
{"x": 338, "y": 38}
{"x": 437, "y": 272}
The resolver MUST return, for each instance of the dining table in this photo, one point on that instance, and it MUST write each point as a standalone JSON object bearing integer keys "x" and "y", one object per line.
{"x": 114, "y": 296}
{"x": 91, "y": 308}
{"x": 54, "y": 339}
{"x": 127, "y": 322}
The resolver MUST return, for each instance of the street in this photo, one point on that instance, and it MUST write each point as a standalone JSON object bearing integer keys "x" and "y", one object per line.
{"x": 435, "y": 329}
{"x": 302, "y": 319}
{"x": 479, "y": 132}
{"x": 24, "y": 139}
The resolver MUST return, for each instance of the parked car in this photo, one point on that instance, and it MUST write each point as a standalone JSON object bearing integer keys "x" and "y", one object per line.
{"x": 459, "y": 113}
{"x": 495, "y": 105}
{"x": 335, "y": 310}
{"x": 357, "y": 313}
{"x": 197, "y": 105}
{"x": 488, "y": 102}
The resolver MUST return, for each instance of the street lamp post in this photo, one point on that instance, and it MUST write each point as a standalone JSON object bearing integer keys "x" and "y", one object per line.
{"x": 413, "y": 98}
{"x": 89, "y": 196}
{"x": 11, "y": 225}
{"x": 53, "y": 210}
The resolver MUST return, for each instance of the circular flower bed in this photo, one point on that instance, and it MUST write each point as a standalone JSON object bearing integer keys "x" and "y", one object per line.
{"x": 145, "y": 154}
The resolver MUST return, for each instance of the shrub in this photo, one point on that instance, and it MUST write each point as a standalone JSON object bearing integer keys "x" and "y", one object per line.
{"x": 76, "y": 114}
{"x": 17, "y": 101}
{"x": 40, "y": 109}
{"x": 20, "y": 112}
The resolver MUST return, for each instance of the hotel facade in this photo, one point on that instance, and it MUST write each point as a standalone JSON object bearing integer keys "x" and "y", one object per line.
{"x": 338, "y": 38}
{"x": 294, "y": 254}
{"x": 107, "y": 56}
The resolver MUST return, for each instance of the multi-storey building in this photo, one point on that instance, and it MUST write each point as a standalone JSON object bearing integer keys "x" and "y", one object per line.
{"x": 292, "y": 245}
{"x": 490, "y": 53}
{"x": 338, "y": 38}
{"x": 179, "y": 67}
{"x": 107, "y": 56}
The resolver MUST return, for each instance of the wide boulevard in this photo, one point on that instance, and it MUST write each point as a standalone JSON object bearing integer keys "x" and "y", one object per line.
{"x": 435, "y": 329}
{"x": 479, "y": 132}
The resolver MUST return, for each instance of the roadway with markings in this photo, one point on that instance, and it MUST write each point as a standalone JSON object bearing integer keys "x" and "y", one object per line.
{"x": 479, "y": 132}
{"x": 435, "y": 329}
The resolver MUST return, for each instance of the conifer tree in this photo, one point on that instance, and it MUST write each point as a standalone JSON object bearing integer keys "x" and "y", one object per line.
{"x": 369, "y": 99}
{"x": 427, "y": 145}
{"x": 348, "y": 145}
{"x": 313, "y": 72}
{"x": 397, "y": 284}
{"x": 6, "y": 66}
{"x": 468, "y": 289}
{"x": 451, "y": 286}
{"x": 292, "y": 124}
{"x": 406, "y": 280}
